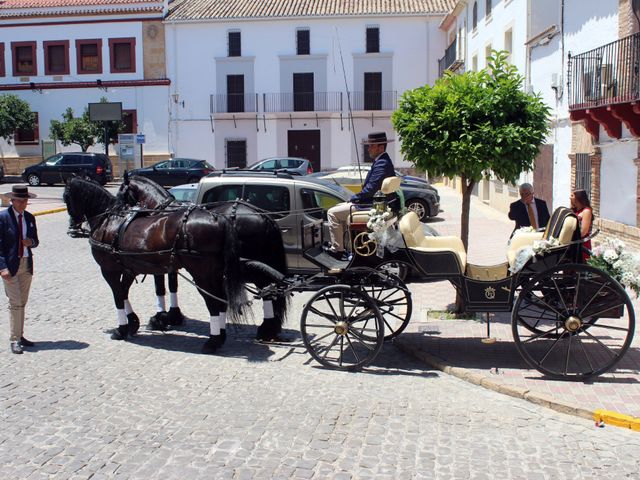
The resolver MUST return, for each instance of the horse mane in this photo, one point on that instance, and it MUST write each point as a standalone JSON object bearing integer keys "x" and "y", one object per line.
{"x": 89, "y": 192}
{"x": 149, "y": 188}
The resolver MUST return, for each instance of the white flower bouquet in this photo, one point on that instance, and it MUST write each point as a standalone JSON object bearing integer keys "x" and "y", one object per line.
{"x": 378, "y": 221}
{"x": 543, "y": 246}
{"x": 612, "y": 257}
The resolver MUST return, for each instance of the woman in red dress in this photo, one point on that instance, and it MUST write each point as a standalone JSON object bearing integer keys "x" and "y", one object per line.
{"x": 581, "y": 206}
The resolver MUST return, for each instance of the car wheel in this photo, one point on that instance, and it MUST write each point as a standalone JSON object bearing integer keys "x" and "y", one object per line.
{"x": 193, "y": 180}
{"x": 420, "y": 207}
{"x": 33, "y": 180}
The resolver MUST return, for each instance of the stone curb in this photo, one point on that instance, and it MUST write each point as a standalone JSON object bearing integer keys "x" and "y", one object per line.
{"x": 600, "y": 416}
{"x": 53, "y": 210}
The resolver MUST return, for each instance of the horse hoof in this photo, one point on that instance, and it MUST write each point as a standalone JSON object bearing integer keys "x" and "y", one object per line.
{"x": 120, "y": 333}
{"x": 158, "y": 322}
{"x": 175, "y": 316}
{"x": 268, "y": 330}
{"x": 134, "y": 323}
{"x": 211, "y": 345}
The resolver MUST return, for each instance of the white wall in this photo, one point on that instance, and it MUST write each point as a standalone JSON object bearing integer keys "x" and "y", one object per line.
{"x": 618, "y": 176}
{"x": 413, "y": 45}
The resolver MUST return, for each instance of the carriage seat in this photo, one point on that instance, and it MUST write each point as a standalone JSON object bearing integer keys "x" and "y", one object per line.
{"x": 414, "y": 237}
{"x": 389, "y": 186}
{"x": 562, "y": 225}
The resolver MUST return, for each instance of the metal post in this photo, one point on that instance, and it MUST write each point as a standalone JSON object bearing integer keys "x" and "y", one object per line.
{"x": 106, "y": 139}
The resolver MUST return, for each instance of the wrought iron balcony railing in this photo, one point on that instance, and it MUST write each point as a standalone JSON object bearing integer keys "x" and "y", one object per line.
{"x": 234, "y": 103}
{"x": 374, "y": 100}
{"x": 302, "y": 102}
{"x": 450, "y": 57}
{"x": 606, "y": 75}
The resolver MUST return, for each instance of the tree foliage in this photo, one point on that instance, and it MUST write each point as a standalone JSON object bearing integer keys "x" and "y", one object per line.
{"x": 15, "y": 114}
{"x": 472, "y": 124}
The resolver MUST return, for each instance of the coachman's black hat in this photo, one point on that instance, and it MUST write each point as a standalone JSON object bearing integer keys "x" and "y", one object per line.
{"x": 19, "y": 191}
{"x": 376, "y": 138}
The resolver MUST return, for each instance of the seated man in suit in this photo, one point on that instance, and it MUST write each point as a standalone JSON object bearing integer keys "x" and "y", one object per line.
{"x": 529, "y": 211}
{"x": 381, "y": 168}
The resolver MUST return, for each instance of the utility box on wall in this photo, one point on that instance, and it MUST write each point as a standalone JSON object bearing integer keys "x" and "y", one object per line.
{"x": 129, "y": 151}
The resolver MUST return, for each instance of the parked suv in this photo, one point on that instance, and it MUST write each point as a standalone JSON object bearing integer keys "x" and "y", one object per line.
{"x": 283, "y": 194}
{"x": 59, "y": 168}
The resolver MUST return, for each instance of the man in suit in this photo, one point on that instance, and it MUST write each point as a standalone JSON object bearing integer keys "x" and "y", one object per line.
{"x": 381, "y": 168}
{"x": 529, "y": 211}
{"x": 18, "y": 235}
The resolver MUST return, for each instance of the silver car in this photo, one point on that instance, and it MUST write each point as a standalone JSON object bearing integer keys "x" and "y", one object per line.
{"x": 295, "y": 202}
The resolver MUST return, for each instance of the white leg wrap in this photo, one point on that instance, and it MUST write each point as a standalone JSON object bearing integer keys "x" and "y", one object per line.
{"x": 127, "y": 307}
{"x": 122, "y": 317}
{"x": 267, "y": 306}
{"x": 223, "y": 319}
{"x": 160, "y": 303}
{"x": 173, "y": 299}
{"x": 214, "y": 325}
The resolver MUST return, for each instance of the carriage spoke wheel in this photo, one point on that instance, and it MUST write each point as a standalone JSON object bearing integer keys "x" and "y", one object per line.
{"x": 583, "y": 322}
{"x": 363, "y": 245}
{"x": 389, "y": 293}
{"x": 342, "y": 327}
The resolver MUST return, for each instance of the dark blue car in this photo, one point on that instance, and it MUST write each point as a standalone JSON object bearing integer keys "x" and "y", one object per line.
{"x": 176, "y": 171}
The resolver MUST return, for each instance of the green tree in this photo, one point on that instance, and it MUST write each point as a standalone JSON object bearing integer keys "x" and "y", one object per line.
{"x": 82, "y": 131}
{"x": 75, "y": 130}
{"x": 472, "y": 124}
{"x": 15, "y": 114}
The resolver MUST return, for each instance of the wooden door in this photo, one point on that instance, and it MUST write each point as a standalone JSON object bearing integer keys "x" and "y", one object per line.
{"x": 305, "y": 144}
{"x": 543, "y": 175}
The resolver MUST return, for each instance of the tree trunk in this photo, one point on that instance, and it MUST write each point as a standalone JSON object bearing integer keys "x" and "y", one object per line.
{"x": 467, "y": 188}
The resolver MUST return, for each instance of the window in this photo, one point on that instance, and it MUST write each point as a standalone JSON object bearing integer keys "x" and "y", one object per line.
{"x": 303, "y": 92}
{"x": 222, "y": 193}
{"x": 303, "y": 41}
{"x": 123, "y": 55}
{"x": 235, "y": 93}
{"x": 24, "y": 58}
{"x": 508, "y": 44}
{"x": 89, "y": 56}
{"x": 487, "y": 54}
{"x": 235, "y": 44}
{"x": 583, "y": 172}
{"x": 316, "y": 204}
{"x": 488, "y": 6}
{"x": 130, "y": 119}
{"x": 373, "y": 39}
{"x": 373, "y": 90}
{"x": 474, "y": 18}
{"x": 56, "y": 57}
{"x": 236, "y": 155}
{"x": 272, "y": 198}
{"x": 28, "y": 137}
{"x": 2, "y": 69}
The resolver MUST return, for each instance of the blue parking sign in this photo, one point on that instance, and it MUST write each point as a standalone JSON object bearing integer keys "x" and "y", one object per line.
{"x": 140, "y": 138}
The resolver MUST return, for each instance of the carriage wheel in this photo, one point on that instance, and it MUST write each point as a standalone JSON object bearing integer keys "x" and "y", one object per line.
{"x": 584, "y": 322}
{"x": 342, "y": 327}
{"x": 392, "y": 297}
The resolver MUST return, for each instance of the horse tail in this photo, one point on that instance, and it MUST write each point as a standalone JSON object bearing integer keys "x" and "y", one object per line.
{"x": 234, "y": 287}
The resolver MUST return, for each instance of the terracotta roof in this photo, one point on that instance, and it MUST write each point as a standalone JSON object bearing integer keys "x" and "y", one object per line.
{"x": 15, "y": 4}
{"x": 231, "y": 9}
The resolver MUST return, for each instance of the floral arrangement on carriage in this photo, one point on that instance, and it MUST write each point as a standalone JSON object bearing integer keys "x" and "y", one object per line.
{"x": 379, "y": 231}
{"x": 613, "y": 257}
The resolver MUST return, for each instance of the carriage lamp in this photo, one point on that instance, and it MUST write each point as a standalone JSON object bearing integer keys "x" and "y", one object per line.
{"x": 380, "y": 202}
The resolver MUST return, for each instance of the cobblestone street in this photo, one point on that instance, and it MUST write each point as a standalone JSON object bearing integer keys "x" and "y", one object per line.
{"x": 80, "y": 405}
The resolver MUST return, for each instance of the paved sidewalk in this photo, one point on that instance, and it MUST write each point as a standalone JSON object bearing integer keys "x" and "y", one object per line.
{"x": 455, "y": 346}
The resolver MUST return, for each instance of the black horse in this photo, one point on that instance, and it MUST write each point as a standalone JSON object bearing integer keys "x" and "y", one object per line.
{"x": 126, "y": 242}
{"x": 259, "y": 238}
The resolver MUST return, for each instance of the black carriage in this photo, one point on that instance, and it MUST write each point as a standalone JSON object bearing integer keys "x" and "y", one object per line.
{"x": 569, "y": 320}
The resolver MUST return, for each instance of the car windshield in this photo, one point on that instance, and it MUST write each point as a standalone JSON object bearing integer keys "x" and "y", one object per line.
{"x": 184, "y": 194}
{"x": 53, "y": 160}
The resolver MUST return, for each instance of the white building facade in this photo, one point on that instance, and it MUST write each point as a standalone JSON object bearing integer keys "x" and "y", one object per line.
{"x": 579, "y": 55}
{"x": 251, "y": 81}
{"x": 69, "y": 54}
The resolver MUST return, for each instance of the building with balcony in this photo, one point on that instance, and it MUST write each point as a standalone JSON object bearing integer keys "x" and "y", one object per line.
{"x": 311, "y": 79}
{"x": 60, "y": 53}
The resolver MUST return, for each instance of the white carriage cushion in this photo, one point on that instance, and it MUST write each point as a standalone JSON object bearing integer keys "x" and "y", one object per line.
{"x": 359, "y": 216}
{"x": 524, "y": 240}
{"x": 414, "y": 237}
{"x": 390, "y": 185}
{"x": 519, "y": 241}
